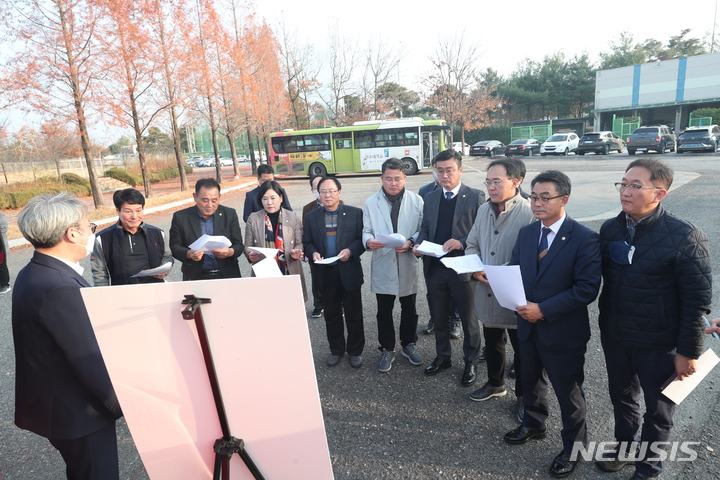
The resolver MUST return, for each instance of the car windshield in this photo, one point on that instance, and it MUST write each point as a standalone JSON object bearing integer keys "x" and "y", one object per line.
{"x": 641, "y": 131}
{"x": 695, "y": 133}
{"x": 557, "y": 138}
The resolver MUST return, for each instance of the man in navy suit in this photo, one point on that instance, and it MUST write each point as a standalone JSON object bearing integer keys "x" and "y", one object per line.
{"x": 207, "y": 216}
{"x": 336, "y": 230}
{"x": 448, "y": 215}
{"x": 560, "y": 264}
{"x": 62, "y": 388}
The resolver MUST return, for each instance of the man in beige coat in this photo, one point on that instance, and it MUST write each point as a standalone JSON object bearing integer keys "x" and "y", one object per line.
{"x": 395, "y": 271}
{"x": 492, "y": 238}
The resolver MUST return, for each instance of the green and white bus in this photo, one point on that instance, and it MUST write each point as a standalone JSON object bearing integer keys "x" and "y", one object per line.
{"x": 362, "y": 147}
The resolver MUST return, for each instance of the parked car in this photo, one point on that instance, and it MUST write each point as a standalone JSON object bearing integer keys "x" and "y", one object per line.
{"x": 487, "y": 148}
{"x": 522, "y": 146}
{"x": 600, "y": 142}
{"x": 560, "y": 144}
{"x": 705, "y": 138}
{"x": 192, "y": 161}
{"x": 463, "y": 148}
{"x": 243, "y": 159}
{"x": 652, "y": 137}
{"x": 207, "y": 162}
{"x": 226, "y": 161}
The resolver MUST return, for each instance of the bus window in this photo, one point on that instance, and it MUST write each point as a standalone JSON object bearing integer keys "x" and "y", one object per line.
{"x": 343, "y": 140}
{"x": 365, "y": 139}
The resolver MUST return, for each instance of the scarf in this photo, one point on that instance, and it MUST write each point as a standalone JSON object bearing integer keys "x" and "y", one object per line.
{"x": 394, "y": 207}
{"x": 274, "y": 239}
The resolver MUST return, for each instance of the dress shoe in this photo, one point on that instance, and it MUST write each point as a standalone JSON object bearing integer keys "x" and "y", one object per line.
{"x": 333, "y": 359}
{"x": 482, "y": 358}
{"x": 486, "y": 392}
{"x": 611, "y": 461}
{"x": 455, "y": 330}
{"x": 356, "y": 361}
{"x": 522, "y": 434}
{"x": 468, "y": 376}
{"x": 437, "y": 365}
{"x": 562, "y": 466}
{"x": 429, "y": 329}
{"x": 511, "y": 371}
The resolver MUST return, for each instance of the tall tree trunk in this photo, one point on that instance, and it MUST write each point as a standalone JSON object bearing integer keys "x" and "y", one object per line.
{"x": 140, "y": 145}
{"x": 213, "y": 132}
{"x": 233, "y": 150}
{"x": 178, "y": 149}
{"x": 253, "y": 162}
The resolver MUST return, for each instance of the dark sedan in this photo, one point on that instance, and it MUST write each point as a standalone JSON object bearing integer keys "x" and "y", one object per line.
{"x": 600, "y": 143}
{"x": 487, "y": 148}
{"x": 523, "y": 146}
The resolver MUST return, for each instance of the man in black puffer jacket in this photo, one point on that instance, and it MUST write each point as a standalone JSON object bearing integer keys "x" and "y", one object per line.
{"x": 657, "y": 285}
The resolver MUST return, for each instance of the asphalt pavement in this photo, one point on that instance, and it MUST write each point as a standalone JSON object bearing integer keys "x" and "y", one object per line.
{"x": 403, "y": 425}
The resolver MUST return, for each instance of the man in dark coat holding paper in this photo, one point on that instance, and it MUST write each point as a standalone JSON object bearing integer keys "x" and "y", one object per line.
{"x": 62, "y": 388}
{"x": 656, "y": 287}
{"x": 207, "y": 216}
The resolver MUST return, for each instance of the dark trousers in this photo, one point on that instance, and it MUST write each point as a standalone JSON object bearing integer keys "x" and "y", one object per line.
{"x": 495, "y": 355}
{"x": 337, "y": 301}
{"x": 4, "y": 273}
{"x": 565, "y": 369}
{"x": 92, "y": 457}
{"x": 316, "y": 293}
{"x": 386, "y": 327}
{"x": 445, "y": 287}
{"x": 629, "y": 370}
{"x": 454, "y": 314}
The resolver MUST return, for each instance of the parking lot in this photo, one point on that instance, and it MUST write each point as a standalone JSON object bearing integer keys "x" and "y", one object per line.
{"x": 404, "y": 425}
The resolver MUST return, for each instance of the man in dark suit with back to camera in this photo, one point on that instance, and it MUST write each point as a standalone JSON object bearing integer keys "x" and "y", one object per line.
{"x": 207, "y": 216}
{"x": 336, "y": 230}
{"x": 62, "y": 388}
{"x": 448, "y": 215}
{"x": 559, "y": 259}
{"x": 265, "y": 173}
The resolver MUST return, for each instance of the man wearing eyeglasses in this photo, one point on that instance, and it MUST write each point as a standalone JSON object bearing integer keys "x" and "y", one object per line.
{"x": 335, "y": 232}
{"x": 492, "y": 239}
{"x": 448, "y": 215}
{"x": 62, "y": 388}
{"x": 559, "y": 260}
{"x": 656, "y": 287}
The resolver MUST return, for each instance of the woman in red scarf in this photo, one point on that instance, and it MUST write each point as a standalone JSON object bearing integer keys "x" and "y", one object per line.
{"x": 276, "y": 227}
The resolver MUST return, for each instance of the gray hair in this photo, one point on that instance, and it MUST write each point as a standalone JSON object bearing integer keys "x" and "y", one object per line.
{"x": 46, "y": 218}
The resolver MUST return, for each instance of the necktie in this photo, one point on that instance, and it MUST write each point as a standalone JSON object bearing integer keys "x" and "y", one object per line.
{"x": 543, "y": 246}
{"x": 448, "y": 195}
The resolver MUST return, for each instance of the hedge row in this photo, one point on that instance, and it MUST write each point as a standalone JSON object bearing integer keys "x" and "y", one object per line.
{"x": 133, "y": 181}
{"x": 18, "y": 194}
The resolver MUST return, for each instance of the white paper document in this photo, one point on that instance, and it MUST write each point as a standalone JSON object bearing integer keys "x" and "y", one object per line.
{"x": 394, "y": 240}
{"x": 208, "y": 243}
{"x": 431, "y": 249}
{"x": 267, "y": 268}
{"x": 268, "y": 252}
{"x": 506, "y": 283}
{"x": 677, "y": 390}
{"x": 328, "y": 261}
{"x": 464, "y": 264}
{"x": 151, "y": 272}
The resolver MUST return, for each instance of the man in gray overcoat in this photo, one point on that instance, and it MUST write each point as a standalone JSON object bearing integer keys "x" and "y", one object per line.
{"x": 492, "y": 238}
{"x": 394, "y": 210}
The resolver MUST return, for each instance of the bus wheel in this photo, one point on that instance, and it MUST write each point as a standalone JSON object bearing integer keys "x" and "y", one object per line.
{"x": 409, "y": 166}
{"x": 317, "y": 170}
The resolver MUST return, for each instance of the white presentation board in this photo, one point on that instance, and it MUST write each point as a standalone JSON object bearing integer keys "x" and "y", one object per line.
{"x": 257, "y": 332}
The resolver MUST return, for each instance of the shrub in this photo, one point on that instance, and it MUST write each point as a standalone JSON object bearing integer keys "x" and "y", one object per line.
{"x": 74, "y": 179}
{"x": 167, "y": 174}
{"x": 123, "y": 176}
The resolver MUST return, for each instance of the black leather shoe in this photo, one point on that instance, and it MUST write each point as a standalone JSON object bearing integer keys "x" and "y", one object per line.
{"x": 468, "y": 376}
{"x": 522, "y": 434}
{"x": 562, "y": 466}
{"x": 437, "y": 365}
{"x": 429, "y": 329}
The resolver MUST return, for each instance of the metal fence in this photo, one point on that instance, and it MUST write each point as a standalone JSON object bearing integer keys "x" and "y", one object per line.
{"x": 623, "y": 127}
{"x": 14, "y": 172}
{"x": 538, "y": 132}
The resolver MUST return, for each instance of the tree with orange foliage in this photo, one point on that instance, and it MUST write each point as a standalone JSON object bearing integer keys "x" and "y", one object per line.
{"x": 56, "y": 68}
{"x": 56, "y": 142}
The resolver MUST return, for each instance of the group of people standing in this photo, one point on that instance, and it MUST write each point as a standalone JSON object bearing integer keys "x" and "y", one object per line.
{"x": 654, "y": 269}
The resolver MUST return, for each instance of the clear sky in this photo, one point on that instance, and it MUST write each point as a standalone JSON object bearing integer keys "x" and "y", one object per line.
{"x": 506, "y": 31}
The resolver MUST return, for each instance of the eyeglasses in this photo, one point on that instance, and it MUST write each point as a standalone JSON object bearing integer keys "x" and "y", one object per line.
{"x": 632, "y": 187}
{"x": 494, "y": 183}
{"x": 543, "y": 200}
{"x": 91, "y": 226}
{"x": 449, "y": 172}
{"x": 328, "y": 192}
